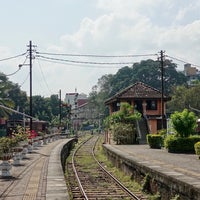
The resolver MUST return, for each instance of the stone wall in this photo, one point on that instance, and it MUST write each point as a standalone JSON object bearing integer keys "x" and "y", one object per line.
{"x": 66, "y": 151}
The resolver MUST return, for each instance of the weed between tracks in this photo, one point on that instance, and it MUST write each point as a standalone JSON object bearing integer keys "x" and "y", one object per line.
{"x": 120, "y": 175}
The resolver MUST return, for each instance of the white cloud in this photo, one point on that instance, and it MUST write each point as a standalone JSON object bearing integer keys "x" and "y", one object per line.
{"x": 123, "y": 27}
{"x": 133, "y": 27}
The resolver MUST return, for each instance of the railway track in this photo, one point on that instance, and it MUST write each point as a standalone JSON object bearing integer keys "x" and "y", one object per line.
{"x": 88, "y": 179}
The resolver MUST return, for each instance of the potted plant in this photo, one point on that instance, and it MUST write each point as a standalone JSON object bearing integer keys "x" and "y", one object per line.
{"x": 6, "y": 154}
{"x": 6, "y": 145}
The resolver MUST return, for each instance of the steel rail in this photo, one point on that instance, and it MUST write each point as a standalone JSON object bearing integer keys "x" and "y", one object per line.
{"x": 109, "y": 174}
{"x": 75, "y": 171}
{"x": 103, "y": 169}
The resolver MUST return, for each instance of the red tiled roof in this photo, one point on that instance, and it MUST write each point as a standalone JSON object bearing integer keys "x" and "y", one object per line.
{"x": 138, "y": 90}
{"x": 81, "y": 102}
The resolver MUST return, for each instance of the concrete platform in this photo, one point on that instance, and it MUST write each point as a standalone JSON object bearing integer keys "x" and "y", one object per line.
{"x": 39, "y": 176}
{"x": 179, "y": 173}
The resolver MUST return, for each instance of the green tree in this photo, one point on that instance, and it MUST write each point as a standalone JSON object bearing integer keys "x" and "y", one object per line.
{"x": 179, "y": 99}
{"x": 41, "y": 108}
{"x": 184, "y": 123}
{"x": 5, "y": 87}
{"x": 54, "y": 104}
{"x": 147, "y": 71}
{"x": 185, "y": 97}
{"x": 20, "y": 100}
{"x": 122, "y": 79}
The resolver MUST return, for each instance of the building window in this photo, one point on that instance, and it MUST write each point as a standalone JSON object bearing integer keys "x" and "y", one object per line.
{"x": 151, "y": 105}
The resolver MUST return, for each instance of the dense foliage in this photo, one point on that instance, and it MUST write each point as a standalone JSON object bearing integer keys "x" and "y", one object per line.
{"x": 147, "y": 71}
{"x": 185, "y": 97}
{"x": 183, "y": 140}
{"x": 176, "y": 144}
{"x": 5, "y": 86}
{"x": 184, "y": 123}
{"x": 122, "y": 124}
{"x": 12, "y": 96}
{"x": 155, "y": 141}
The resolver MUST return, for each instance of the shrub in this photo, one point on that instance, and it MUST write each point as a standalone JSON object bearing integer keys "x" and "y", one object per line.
{"x": 184, "y": 123}
{"x": 197, "y": 148}
{"x": 124, "y": 133}
{"x": 155, "y": 141}
{"x": 181, "y": 145}
{"x": 122, "y": 124}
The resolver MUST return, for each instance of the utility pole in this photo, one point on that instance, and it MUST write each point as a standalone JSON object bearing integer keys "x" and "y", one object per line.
{"x": 162, "y": 87}
{"x": 31, "y": 104}
{"x": 60, "y": 102}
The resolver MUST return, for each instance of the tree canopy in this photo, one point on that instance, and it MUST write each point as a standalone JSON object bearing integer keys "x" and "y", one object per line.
{"x": 185, "y": 97}
{"x": 146, "y": 71}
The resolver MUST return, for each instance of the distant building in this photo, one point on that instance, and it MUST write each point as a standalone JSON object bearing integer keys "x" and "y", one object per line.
{"x": 146, "y": 100}
{"x": 75, "y": 99}
{"x": 191, "y": 73}
{"x": 77, "y": 102}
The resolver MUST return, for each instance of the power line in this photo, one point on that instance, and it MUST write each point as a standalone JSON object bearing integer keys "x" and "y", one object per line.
{"x": 18, "y": 69}
{"x": 85, "y": 62}
{"x": 43, "y": 76}
{"x": 24, "y": 80}
{"x": 78, "y": 64}
{"x": 13, "y": 72}
{"x": 183, "y": 61}
{"x": 93, "y": 55}
{"x": 9, "y": 58}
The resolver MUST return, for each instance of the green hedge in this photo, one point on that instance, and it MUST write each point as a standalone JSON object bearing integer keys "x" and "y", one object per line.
{"x": 197, "y": 148}
{"x": 181, "y": 145}
{"x": 155, "y": 141}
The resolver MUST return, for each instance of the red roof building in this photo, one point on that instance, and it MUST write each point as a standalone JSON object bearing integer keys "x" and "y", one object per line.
{"x": 146, "y": 100}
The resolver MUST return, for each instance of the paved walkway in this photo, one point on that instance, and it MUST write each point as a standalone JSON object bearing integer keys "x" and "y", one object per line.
{"x": 39, "y": 176}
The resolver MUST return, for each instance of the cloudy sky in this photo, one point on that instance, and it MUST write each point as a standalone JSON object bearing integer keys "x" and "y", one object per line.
{"x": 93, "y": 27}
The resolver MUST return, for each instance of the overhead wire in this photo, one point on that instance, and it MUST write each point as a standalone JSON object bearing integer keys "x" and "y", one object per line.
{"x": 24, "y": 80}
{"x": 27, "y": 74}
{"x": 78, "y": 64}
{"x": 12, "y": 57}
{"x": 183, "y": 61}
{"x": 13, "y": 72}
{"x": 20, "y": 66}
{"x": 39, "y": 54}
{"x": 43, "y": 76}
{"x": 84, "y": 62}
{"x": 93, "y": 55}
